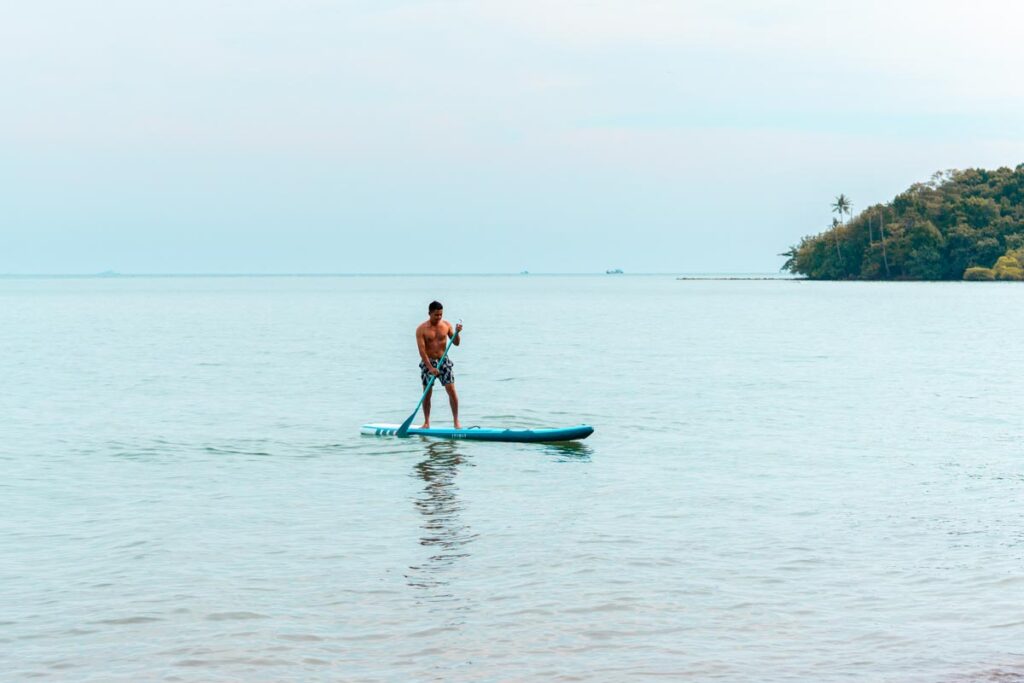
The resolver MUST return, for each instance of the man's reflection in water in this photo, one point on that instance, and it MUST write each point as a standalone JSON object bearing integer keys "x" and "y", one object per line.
{"x": 444, "y": 534}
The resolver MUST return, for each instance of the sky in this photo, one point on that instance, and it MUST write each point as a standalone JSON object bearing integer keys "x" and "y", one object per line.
{"x": 482, "y": 136}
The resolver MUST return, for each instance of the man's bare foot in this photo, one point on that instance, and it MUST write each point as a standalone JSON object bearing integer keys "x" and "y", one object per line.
{"x": 458, "y": 425}
{"x": 425, "y": 425}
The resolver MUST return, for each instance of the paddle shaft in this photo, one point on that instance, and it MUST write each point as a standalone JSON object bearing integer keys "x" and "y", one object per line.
{"x": 403, "y": 431}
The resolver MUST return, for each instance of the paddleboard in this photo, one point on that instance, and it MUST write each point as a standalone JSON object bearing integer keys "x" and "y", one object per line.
{"x": 482, "y": 434}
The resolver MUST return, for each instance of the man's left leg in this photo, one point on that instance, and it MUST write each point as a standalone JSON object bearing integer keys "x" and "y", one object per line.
{"x": 453, "y": 399}
{"x": 426, "y": 409}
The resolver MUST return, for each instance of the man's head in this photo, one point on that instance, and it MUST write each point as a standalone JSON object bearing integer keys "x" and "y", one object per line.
{"x": 435, "y": 311}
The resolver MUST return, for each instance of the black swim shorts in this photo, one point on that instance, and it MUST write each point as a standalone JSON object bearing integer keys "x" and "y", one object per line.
{"x": 446, "y": 377}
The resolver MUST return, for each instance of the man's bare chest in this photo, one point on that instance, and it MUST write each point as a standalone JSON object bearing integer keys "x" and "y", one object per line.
{"x": 434, "y": 336}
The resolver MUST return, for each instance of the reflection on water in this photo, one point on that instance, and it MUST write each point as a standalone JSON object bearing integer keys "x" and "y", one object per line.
{"x": 444, "y": 533}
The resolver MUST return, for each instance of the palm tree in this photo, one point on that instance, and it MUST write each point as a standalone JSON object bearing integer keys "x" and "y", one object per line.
{"x": 881, "y": 231}
{"x": 791, "y": 256}
{"x": 836, "y": 225}
{"x": 842, "y": 206}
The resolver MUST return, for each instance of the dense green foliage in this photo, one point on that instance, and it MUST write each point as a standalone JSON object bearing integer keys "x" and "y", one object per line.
{"x": 979, "y": 273}
{"x": 937, "y": 230}
{"x": 1010, "y": 266}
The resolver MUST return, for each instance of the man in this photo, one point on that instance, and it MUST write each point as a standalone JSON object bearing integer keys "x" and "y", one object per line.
{"x": 431, "y": 338}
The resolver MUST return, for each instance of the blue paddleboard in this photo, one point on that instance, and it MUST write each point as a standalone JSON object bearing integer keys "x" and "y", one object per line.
{"x": 481, "y": 434}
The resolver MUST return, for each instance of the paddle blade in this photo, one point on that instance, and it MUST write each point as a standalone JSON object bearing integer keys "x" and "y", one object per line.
{"x": 403, "y": 431}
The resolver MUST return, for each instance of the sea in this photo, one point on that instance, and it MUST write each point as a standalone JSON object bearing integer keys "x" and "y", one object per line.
{"x": 788, "y": 481}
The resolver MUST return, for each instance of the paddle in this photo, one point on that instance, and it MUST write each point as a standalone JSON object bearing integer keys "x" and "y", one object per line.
{"x": 403, "y": 431}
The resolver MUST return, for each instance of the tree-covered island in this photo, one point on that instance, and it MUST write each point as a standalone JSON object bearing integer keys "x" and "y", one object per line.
{"x": 965, "y": 224}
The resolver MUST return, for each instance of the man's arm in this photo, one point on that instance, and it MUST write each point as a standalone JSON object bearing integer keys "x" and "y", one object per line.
{"x": 421, "y": 344}
{"x": 457, "y": 329}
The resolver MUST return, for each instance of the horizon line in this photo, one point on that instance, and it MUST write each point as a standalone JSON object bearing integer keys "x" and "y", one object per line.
{"x": 114, "y": 275}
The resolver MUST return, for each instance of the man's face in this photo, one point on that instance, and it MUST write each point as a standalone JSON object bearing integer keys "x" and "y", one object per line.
{"x": 435, "y": 316}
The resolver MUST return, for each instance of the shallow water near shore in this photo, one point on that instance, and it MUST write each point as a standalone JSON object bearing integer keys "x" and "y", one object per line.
{"x": 788, "y": 481}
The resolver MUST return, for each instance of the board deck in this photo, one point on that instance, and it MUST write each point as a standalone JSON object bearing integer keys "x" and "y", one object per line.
{"x": 482, "y": 434}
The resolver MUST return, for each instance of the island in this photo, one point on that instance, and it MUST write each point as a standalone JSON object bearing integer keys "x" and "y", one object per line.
{"x": 960, "y": 225}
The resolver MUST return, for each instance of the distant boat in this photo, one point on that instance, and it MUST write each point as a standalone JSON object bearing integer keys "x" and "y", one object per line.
{"x": 524, "y": 272}
{"x": 616, "y": 271}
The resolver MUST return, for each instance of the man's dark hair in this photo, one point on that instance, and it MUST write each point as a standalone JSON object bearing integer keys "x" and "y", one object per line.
{"x": 434, "y": 306}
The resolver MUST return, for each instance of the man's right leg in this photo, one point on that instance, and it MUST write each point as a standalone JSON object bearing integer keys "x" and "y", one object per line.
{"x": 426, "y": 409}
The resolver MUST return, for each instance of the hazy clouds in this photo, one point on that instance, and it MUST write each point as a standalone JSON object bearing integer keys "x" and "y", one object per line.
{"x": 479, "y": 136}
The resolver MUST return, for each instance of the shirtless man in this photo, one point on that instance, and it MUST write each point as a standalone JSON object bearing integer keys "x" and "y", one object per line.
{"x": 431, "y": 338}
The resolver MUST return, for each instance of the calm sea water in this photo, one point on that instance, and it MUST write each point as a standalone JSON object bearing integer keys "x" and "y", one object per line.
{"x": 789, "y": 481}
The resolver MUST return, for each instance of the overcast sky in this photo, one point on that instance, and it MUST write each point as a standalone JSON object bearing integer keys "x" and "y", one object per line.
{"x": 480, "y": 136}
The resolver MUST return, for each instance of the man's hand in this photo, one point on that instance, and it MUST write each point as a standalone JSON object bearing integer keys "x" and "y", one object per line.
{"x": 458, "y": 328}
{"x": 434, "y": 371}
